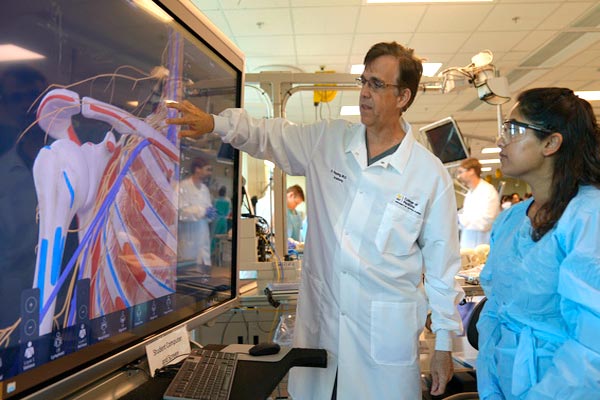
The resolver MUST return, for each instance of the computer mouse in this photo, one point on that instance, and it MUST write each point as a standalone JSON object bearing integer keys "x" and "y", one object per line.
{"x": 264, "y": 349}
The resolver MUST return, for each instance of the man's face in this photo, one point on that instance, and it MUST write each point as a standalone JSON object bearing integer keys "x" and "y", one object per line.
{"x": 380, "y": 107}
{"x": 464, "y": 175}
{"x": 293, "y": 201}
{"x": 202, "y": 173}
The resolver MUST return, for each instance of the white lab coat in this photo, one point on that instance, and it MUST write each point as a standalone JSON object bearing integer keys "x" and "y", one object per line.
{"x": 480, "y": 208}
{"x": 373, "y": 232}
{"x": 193, "y": 231}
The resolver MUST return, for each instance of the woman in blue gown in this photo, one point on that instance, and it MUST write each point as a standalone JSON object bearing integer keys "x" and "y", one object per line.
{"x": 539, "y": 332}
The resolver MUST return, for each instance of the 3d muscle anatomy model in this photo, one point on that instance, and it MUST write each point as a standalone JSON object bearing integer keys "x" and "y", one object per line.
{"x": 123, "y": 195}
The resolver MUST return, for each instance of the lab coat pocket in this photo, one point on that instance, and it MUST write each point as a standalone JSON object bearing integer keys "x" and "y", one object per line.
{"x": 398, "y": 230}
{"x": 394, "y": 333}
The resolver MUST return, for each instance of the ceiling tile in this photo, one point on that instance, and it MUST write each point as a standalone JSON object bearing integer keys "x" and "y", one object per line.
{"x": 259, "y": 22}
{"x": 425, "y": 43}
{"x": 363, "y": 42}
{"x": 246, "y": 4}
{"x": 521, "y": 16}
{"x": 461, "y": 59}
{"x": 587, "y": 57}
{"x": 453, "y": 18}
{"x": 534, "y": 40}
{"x": 566, "y": 14}
{"x": 217, "y": 18}
{"x": 494, "y": 41}
{"x": 267, "y": 45}
{"x": 324, "y": 20}
{"x": 377, "y": 18}
{"x": 311, "y": 3}
{"x": 271, "y": 63}
{"x": 317, "y": 45}
{"x": 203, "y": 5}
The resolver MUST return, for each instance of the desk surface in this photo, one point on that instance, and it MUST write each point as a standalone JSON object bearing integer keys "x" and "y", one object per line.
{"x": 253, "y": 380}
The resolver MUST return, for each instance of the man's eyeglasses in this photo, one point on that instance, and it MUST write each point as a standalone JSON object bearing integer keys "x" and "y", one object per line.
{"x": 513, "y": 130}
{"x": 374, "y": 83}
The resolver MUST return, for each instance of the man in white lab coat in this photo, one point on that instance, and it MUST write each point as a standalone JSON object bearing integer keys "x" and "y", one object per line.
{"x": 382, "y": 245}
{"x": 196, "y": 211}
{"x": 480, "y": 207}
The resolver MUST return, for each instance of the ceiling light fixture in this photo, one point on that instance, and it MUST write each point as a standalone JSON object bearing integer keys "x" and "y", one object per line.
{"x": 431, "y": 69}
{"x": 10, "y": 52}
{"x": 490, "y": 161}
{"x": 589, "y": 95}
{"x": 150, "y": 7}
{"x": 490, "y": 150}
{"x": 357, "y": 69}
{"x": 425, "y": 1}
{"x": 350, "y": 110}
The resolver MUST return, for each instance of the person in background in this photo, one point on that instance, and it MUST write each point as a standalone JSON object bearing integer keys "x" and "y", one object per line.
{"x": 377, "y": 256}
{"x": 220, "y": 225}
{"x": 506, "y": 202}
{"x": 294, "y": 197}
{"x": 515, "y": 198}
{"x": 195, "y": 213}
{"x": 538, "y": 331}
{"x": 223, "y": 208}
{"x": 480, "y": 207}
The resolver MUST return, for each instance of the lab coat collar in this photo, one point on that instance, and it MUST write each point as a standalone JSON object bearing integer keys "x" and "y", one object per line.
{"x": 398, "y": 160}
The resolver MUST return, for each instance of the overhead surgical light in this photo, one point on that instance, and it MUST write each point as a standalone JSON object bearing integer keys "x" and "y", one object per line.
{"x": 482, "y": 74}
{"x": 491, "y": 89}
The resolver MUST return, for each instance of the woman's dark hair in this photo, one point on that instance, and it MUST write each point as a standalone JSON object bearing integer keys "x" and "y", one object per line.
{"x": 410, "y": 67}
{"x": 577, "y": 162}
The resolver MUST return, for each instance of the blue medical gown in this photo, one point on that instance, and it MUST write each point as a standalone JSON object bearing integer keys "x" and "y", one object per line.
{"x": 539, "y": 332}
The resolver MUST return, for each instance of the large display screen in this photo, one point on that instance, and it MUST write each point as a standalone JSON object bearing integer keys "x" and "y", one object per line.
{"x": 111, "y": 228}
{"x": 445, "y": 141}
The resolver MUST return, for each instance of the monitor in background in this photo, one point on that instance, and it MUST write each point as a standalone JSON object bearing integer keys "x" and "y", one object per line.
{"x": 445, "y": 140}
{"x": 103, "y": 210}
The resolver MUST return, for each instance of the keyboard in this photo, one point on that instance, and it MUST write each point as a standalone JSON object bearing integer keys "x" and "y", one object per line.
{"x": 204, "y": 375}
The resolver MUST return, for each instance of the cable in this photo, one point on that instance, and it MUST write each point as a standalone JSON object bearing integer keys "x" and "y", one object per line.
{"x": 226, "y": 325}
{"x": 247, "y": 327}
{"x": 264, "y": 97}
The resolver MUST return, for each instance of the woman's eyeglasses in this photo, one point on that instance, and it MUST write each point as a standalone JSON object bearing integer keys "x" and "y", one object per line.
{"x": 513, "y": 130}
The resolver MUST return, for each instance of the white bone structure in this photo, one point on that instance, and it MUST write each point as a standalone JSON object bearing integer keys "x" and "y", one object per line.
{"x": 124, "y": 196}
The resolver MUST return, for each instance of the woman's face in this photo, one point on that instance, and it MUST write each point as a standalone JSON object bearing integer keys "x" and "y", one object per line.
{"x": 520, "y": 155}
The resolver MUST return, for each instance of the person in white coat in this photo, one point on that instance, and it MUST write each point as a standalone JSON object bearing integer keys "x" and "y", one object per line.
{"x": 382, "y": 245}
{"x": 195, "y": 213}
{"x": 480, "y": 207}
